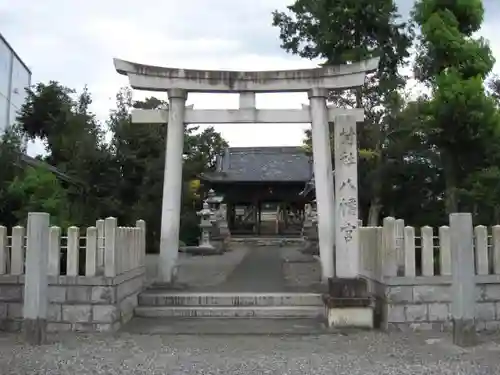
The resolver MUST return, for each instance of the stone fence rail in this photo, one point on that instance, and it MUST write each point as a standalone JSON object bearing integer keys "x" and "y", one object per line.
{"x": 105, "y": 249}
{"x": 426, "y": 251}
{"x": 411, "y": 273}
{"x": 94, "y": 274}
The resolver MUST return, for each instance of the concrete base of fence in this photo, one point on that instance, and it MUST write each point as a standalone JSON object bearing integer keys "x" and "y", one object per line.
{"x": 464, "y": 332}
{"x": 350, "y": 317}
{"x": 423, "y": 303}
{"x": 35, "y": 331}
{"x": 76, "y": 303}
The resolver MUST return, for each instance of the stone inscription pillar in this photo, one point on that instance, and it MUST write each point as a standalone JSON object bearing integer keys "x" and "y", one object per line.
{"x": 172, "y": 186}
{"x": 346, "y": 192}
{"x": 323, "y": 180}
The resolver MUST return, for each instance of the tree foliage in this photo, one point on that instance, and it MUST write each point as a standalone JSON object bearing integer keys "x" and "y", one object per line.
{"x": 419, "y": 157}
{"x": 462, "y": 119}
{"x": 317, "y": 29}
{"x": 38, "y": 190}
{"x": 440, "y": 149}
{"x": 10, "y": 149}
{"x": 118, "y": 175}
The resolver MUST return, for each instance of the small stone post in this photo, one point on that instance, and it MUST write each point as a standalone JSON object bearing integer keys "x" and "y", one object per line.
{"x": 463, "y": 285}
{"x": 223, "y": 224}
{"x": 36, "y": 280}
{"x": 310, "y": 230}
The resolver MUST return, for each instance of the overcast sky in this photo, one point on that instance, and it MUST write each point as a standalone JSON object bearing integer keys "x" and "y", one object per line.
{"x": 75, "y": 45}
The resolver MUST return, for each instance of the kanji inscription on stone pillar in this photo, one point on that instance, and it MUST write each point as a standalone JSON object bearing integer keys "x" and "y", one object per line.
{"x": 346, "y": 197}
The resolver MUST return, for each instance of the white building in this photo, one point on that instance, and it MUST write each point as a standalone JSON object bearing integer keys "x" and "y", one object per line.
{"x": 15, "y": 77}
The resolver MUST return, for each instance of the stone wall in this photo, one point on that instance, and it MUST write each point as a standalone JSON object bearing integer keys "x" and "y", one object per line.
{"x": 100, "y": 296}
{"x": 410, "y": 273}
{"x": 76, "y": 303}
{"x": 424, "y": 303}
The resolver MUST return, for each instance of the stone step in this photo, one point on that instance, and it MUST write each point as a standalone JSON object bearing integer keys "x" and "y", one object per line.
{"x": 281, "y": 312}
{"x": 161, "y": 298}
{"x": 268, "y": 241}
{"x": 224, "y": 326}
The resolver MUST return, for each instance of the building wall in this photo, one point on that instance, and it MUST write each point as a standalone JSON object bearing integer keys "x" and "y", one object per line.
{"x": 15, "y": 77}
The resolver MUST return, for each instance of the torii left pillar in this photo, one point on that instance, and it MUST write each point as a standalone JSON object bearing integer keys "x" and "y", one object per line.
{"x": 172, "y": 187}
{"x": 323, "y": 180}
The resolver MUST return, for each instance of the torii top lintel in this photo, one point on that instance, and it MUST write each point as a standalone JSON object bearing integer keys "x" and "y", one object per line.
{"x": 156, "y": 78}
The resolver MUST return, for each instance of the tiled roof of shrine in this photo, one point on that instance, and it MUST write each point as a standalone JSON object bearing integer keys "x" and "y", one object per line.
{"x": 259, "y": 164}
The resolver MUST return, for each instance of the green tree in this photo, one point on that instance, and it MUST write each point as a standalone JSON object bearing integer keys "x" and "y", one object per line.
{"x": 121, "y": 178}
{"x": 201, "y": 150}
{"x": 38, "y": 190}
{"x": 462, "y": 120}
{"x": 74, "y": 142}
{"x": 414, "y": 170}
{"x": 139, "y": 151}
{"x": 344, "y": 31}
{"x": 11, "y": 148}
{"x": 45, "y": 115}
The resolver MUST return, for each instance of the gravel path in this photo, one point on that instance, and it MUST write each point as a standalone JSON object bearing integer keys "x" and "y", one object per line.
{"x": 260, "y": 271}
{"x": 356, "y": 353}
{"x": 200, "y": 271}
{"x": 301, "y": 271}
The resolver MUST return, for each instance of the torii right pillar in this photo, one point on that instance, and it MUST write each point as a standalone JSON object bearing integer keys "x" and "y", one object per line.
{"x": 348, "y": 301}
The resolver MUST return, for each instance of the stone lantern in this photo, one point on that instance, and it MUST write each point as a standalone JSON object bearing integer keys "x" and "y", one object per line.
{"x": 205, "y": 225}
{"x": 214, "y": 201}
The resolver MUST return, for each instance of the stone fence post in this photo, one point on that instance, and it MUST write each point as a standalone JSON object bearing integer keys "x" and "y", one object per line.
{"x": 142, "y": 255}
{"x": 463, "y": 284}
{"x": 36, "y": 278}
{"x": 99, "y": 224}
{"x": 110, "y": 256}
{"x": 4, "y": 252}
{"x": 399, "y": 228}
{"x": 389, "y": 250}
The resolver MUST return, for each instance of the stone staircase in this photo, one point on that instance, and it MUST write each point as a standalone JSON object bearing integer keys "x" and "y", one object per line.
{"x": 167, "y": 304}
{"x": 278, "y": 241}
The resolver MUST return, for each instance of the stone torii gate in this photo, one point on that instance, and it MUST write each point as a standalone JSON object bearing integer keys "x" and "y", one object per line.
{"x": 340, "y": 234}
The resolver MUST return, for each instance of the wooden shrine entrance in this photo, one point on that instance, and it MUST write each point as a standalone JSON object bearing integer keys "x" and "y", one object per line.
{"x": 266, "y": 219}
{"x": 262, "y": 189}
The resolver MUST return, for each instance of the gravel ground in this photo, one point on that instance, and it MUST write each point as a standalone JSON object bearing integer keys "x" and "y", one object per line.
{"x": 355, "y": 353}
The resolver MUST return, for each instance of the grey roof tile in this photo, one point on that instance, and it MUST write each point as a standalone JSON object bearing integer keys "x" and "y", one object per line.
{"x": 253, "y": 164}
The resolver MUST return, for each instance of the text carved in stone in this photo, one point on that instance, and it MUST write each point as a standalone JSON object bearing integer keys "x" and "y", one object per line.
{"x": 348, "y": 158}
{"x": 347, "y": 136}
{"x": 348, "y": 229}
{"x": 348, "y": 206}
{"x": 348, "y": 183}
